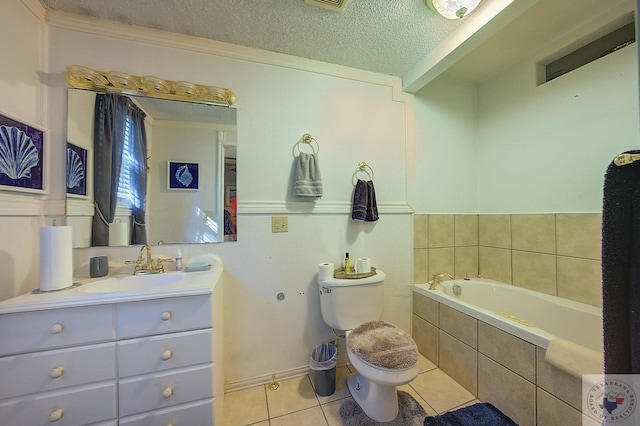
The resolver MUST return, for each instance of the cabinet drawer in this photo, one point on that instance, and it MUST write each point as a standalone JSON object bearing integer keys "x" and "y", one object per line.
{"x": 162, "y": 390}
{"x": 159, "y": 353}
{"x": 75, "y": 407}
{"x": 51, "y": 370}
{"x": 159, "y": 316}
{"x": 196, "y": 414}
{"x": 55, "y": 328}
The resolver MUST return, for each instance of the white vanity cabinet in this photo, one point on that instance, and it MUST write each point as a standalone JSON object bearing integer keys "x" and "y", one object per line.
{"x": 132, "y": 361}
{"x": 58, "y": 367}
{"x": 165, "y": 361}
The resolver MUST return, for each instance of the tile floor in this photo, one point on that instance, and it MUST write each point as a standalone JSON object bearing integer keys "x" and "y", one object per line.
{"x": 296, "y": 403}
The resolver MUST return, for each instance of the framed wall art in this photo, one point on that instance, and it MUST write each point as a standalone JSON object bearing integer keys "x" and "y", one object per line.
{"x": 24, "y": 154}
{"x": 77, "y": 170}
{"x": 183, "y": 175}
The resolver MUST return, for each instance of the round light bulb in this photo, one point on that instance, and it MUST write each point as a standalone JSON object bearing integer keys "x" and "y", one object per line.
{"x": 453, "y": 9}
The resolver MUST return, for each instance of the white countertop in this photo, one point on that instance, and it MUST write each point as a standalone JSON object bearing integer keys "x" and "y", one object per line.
{"x": 185, "y": 284}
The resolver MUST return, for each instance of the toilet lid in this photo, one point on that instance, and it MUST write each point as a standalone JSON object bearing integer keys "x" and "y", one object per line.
{"x": 384, "y": 345}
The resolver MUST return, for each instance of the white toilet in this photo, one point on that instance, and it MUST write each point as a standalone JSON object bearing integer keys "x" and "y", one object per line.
{"x": 383, "y": 355}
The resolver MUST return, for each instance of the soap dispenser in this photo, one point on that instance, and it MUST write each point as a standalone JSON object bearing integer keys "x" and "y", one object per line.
{"x": 179, "y": 261}
{"x": 347, "y": 264}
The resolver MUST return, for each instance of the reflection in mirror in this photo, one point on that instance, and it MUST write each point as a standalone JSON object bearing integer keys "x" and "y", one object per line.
{"x": 190, "y": 178}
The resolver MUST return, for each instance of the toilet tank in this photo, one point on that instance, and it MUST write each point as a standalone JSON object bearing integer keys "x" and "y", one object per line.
{"x": 347, "y": 303}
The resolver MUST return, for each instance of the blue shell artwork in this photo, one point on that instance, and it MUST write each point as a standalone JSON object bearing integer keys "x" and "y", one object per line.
{"x": 75, "y": 169}
{"x": 18, "y": 153}
{"x": 184, "y": 176}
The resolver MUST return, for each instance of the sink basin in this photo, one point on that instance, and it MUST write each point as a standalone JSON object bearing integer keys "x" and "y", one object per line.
{"x": 130, "y": 283}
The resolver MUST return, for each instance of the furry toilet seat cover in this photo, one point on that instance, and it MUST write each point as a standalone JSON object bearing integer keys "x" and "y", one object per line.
{"x": 384, "y": 345}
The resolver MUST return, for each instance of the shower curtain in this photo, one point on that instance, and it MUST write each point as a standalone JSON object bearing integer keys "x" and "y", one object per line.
{"x": 621, "y": 268}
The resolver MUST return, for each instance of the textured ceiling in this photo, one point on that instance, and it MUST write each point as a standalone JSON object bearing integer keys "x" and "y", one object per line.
{"x": 383, "y": 36}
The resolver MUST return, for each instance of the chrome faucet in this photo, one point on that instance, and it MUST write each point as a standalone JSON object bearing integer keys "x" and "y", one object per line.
{"x": 148, "y": 267}
{"x": 435, "y": 280}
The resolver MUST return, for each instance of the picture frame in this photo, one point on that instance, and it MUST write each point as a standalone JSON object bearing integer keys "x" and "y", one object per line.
{"x": 24, "y": 156}
{"x": 183, "y": 175}
{"x": 77, "y": 174}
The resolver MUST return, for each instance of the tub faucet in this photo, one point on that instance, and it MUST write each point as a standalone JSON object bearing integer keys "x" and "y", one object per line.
{"x": 435, "y": 280}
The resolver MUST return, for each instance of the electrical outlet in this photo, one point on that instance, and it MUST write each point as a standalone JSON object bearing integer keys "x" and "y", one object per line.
{"x": 279, "y": 223}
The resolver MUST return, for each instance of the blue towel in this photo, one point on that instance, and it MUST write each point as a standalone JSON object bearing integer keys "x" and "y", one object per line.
{"x": 621, "y": 269}
{"x": 364, "y": 206}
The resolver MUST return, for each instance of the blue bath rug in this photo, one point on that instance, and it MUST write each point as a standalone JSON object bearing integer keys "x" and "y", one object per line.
{"x": 410, "y": 413}
{"x": 480, "y": 414}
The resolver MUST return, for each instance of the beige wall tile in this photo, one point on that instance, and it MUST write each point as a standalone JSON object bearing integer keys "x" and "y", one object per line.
{"x": 420, "y": 266}
{"x": 426, "y": 337}
{"x": 460, "y": 325}
{"x": 459, "y": 361}
{"x": 510, "y": 393}
{"x": 494, "y": 230}
{"x": 495, "y": 264}
{"x": 554, "y": 412}
{"x": 441, "y": 230}
{"x": 535, "y": 271}
{"x": 557, "y": 382}
{"x": 516, "y": 354}
{"x": 441, "y": 260}
{"x": 579, "y": 235}
{"x": 426, "y": 308}
{"x": 534, "y": 232}
{"x": 580, "y": 280}
{"x": 420, "y": 231}
{"x": 466, "y": 230}
{"x": 466, "y": 262}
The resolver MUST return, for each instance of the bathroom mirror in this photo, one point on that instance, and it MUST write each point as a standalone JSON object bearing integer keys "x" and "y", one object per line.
{"x": 186, "y": 142}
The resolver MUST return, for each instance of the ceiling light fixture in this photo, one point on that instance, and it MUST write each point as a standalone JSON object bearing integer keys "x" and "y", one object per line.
{"x": 453, "y": 9}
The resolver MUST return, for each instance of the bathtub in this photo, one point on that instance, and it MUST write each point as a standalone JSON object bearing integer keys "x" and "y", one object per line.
{"x": 535, "y": 317}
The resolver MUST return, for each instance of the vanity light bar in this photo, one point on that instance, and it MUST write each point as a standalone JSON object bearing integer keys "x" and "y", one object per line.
{"x": 116, "y": 81}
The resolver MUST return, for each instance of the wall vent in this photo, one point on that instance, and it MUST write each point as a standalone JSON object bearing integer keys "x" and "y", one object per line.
{"x": 619, "y": 37}
{"x": 335, "y": 5}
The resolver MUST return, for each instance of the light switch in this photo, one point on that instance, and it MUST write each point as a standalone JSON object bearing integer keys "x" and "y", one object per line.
{"x": 279, "y": 223}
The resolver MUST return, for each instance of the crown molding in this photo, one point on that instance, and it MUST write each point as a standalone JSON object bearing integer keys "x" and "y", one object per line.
{"x": 37, "y": 9}
{"x": 315, "y": 207}
{"x": 157, "y": 37}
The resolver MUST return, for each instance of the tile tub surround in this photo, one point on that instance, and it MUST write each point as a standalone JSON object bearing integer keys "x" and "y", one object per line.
{"x": 558, "y": 254}
{"x": 495, "y": 366}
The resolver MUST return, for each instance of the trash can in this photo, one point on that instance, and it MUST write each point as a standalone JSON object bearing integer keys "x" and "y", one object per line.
{"x": 323, "y": 363}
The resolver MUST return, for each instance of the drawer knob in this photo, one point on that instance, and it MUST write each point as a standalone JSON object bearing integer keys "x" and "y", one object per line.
{"x": 56, "y": 328}
{"x": 56, "y": 372}
{"x": 167, "y": 392}
{"x": 166, "y": 355}
{"x": 166, "y": 315}
{"x": 56, "y": 415}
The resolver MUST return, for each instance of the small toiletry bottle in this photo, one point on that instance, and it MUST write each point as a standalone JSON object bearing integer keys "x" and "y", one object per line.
{"x": 347, "y": 263}
{"x": 179, "y": 261}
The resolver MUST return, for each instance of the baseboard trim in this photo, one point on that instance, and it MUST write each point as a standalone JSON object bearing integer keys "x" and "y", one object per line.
{"x": 250, "y": 382}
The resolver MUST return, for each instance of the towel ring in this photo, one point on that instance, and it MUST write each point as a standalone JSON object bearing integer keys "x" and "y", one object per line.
{"x": 308, "y": 139}
{"x": 362, "y": 168}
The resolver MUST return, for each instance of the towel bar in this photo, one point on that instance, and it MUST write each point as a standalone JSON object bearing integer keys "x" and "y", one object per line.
{"x": 364, "y": 168}
{"x": 308, "y": 139}
{"x": 626, "y": 158}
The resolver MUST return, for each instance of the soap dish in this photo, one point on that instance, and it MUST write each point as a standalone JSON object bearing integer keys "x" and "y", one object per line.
{"x": 339, "y": 273}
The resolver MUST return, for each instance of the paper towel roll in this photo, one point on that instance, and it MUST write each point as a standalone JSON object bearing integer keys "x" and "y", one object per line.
{"x": 56, "y": 258}
{"x": 363, "y": 265}
{"x": 119, "y": 234}
{"x": 325, "y": 271}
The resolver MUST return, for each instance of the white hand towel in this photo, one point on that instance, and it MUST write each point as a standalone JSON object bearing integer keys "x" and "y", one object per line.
{"x": 308, "y": 180}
